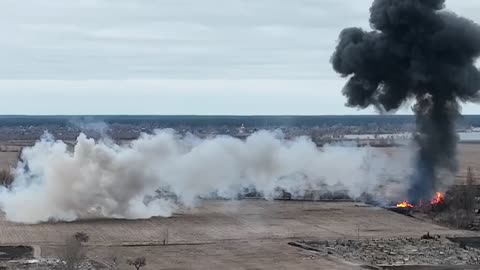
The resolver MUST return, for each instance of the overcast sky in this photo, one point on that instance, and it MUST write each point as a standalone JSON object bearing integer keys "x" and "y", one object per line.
{"x": 178, "y": 56}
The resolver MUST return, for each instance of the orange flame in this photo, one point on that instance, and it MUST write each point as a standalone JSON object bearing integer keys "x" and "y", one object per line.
{"x": 438, "y": 199}
{"x": 405, "y": 204}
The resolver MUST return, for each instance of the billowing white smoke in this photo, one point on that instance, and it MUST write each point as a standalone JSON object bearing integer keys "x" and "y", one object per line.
{"x": 101, "y": 178}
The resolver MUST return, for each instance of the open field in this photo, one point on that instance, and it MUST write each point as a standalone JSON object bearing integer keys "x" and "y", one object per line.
{"x": 469, "y": 156}
{"x": 214, "y": 221}
{"x": 248, "y": 234}
{"x": 8, "y": 160}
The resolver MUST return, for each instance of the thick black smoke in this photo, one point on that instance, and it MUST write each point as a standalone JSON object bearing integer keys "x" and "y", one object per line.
{"x": 415, "y": 51}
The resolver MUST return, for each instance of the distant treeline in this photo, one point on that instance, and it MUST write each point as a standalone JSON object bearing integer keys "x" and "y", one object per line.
{"x": 202, "y": 121}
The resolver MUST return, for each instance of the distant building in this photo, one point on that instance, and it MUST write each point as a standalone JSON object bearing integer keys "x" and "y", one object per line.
{"x": 241, "y": 130}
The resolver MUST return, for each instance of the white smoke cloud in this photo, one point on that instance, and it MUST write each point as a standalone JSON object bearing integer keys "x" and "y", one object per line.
{"x": 103, "y": 179}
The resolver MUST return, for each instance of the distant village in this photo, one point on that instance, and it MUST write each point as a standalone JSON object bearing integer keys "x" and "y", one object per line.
{"x": 372, "y": 133}
{"x": 320, "y": 135}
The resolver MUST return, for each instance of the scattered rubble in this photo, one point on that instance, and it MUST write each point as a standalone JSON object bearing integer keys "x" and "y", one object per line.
{"x": 42, "y": 264}
{"x": 400, "y": 251}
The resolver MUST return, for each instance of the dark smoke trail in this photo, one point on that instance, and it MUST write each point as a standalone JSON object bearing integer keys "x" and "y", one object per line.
{"x": 415, "y": 51}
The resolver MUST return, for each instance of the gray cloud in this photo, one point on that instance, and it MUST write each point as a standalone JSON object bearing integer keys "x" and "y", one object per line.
{"x": 92, "y": 46}
{"x": 171, "y": 39}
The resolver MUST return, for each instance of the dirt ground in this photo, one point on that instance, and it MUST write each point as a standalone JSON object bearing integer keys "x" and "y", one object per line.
{"x": 249, "y": 234}
{"x": 469, "y": 156}
{"x": 259, "y": 254}
{"x": 214, "y": 221}
{"x": 8, "y": 160}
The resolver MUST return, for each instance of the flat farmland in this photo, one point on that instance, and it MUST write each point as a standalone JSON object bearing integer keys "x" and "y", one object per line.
{"x": 8, "y": 160}
{"x": 468, "y": 156}
{"x": 214, "y": 221}
{"x": 247, "y": 234}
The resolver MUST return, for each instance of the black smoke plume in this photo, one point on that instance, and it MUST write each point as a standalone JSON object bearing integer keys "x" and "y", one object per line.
{"x": 417, "y": 50}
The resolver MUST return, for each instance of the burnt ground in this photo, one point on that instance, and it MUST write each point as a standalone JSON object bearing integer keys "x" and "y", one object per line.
{"x": 15, "y": 252}
{"x": 248, "y": 234}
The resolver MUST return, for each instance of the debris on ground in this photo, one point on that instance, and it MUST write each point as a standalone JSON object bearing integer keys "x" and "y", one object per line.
{"x": 43, "y": 264}
{"x": 427, "y": 236}
{"x": 400, "y": 251}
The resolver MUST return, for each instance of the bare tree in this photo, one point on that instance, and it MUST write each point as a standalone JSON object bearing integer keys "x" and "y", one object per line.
{"x": 81, "y": 237}
{"x": 73, "y": 252}
{"x": 460, "y": 204}
{"x": 470, "y": 191}
{"x": 138, "y": 262}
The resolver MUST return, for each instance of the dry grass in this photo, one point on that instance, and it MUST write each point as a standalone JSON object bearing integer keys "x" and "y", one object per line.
{"x": 8, "y": 160}
{"x": 458, "y": 209}
{"x": 214, "y": 221}
{"x": 469, "y": 156}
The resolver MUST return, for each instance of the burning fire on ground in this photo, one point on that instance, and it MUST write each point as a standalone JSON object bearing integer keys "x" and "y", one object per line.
{"x": 438, "y": 199}
{"x": 405, "y": 204}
